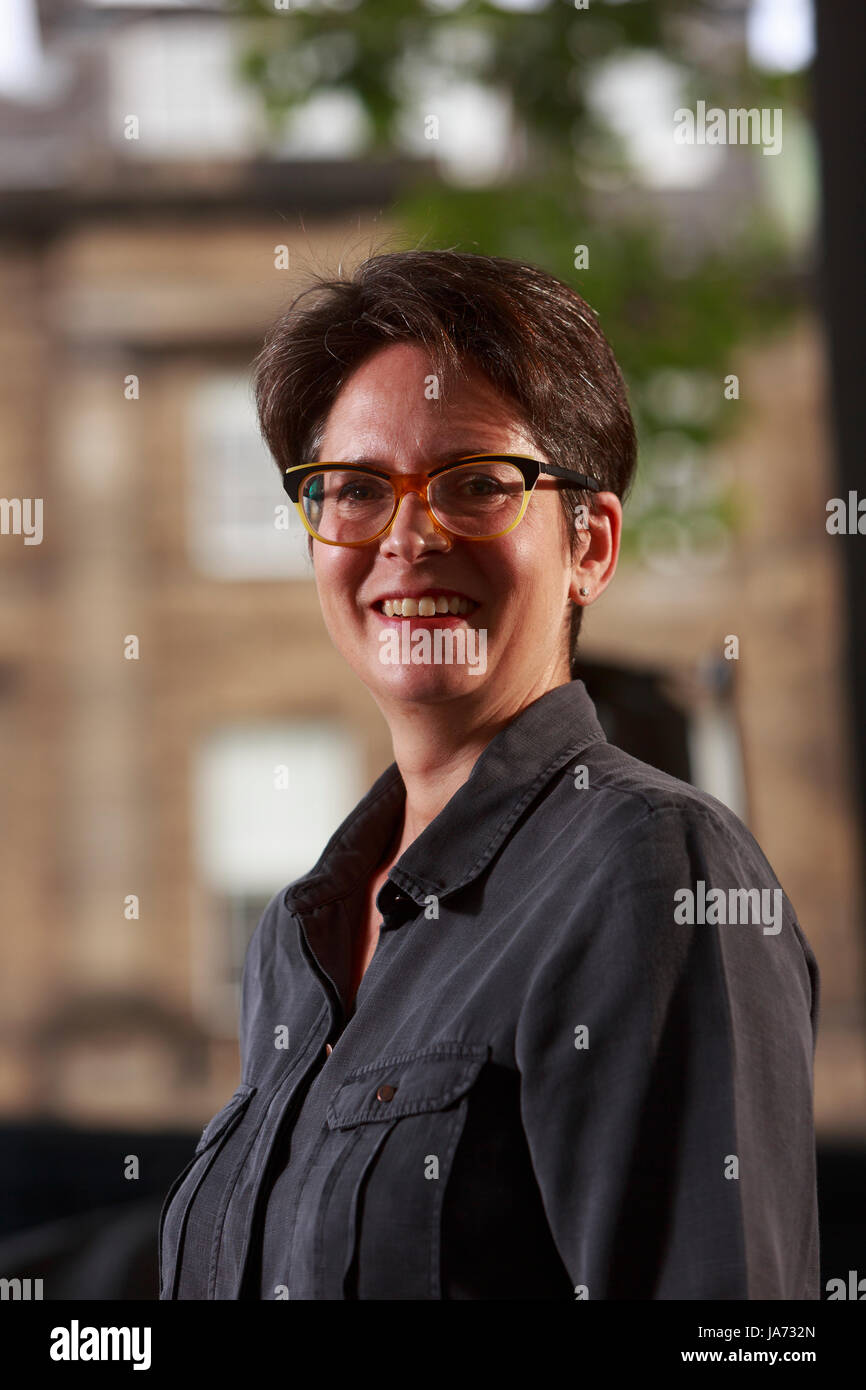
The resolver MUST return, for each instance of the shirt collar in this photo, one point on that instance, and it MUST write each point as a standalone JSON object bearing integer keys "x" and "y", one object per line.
{"x": 458, "y": 844}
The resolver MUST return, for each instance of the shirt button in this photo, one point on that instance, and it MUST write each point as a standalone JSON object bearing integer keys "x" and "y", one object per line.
{"x": 328, "y": 1049}
{"x": 386, "y": 1092}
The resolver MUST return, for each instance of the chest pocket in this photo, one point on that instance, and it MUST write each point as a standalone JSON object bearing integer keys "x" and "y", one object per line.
{"x": 369, "y": 1220}
{"x": 172, "y": 1225}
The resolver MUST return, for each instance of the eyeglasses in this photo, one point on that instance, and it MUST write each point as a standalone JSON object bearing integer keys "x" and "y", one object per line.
{"x": 479, "y": 497}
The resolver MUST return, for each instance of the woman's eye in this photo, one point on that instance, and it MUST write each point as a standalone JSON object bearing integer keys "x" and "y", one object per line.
{"x": 480, "y": 485}
{"x": 354, "y": 492}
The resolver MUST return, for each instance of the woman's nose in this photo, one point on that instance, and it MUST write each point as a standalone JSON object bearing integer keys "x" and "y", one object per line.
{"x": 413, "y": 529}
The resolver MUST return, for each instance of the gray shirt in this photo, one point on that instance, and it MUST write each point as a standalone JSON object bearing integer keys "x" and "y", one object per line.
{"x": 579, "y": 1063}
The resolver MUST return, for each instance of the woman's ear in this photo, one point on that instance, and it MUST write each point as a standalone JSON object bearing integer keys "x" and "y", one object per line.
{"x": 598, "y": 532}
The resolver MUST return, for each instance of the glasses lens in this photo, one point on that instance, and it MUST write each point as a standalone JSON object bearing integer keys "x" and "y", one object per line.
{"x": 345, "y": 505}
{"x": 478, "y": 499}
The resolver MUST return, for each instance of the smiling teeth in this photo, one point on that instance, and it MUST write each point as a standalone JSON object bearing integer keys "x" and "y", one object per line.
{"x": 425, "y": 607}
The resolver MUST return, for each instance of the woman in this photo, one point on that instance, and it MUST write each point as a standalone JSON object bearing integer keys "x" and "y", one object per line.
{"x": 540, "y": 1022}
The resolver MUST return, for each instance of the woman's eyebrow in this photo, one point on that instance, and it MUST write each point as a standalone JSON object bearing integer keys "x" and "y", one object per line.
{"x": 438, "y": 455}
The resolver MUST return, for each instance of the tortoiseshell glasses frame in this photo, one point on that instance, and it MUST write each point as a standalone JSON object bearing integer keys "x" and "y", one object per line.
{"x": 420, "y": 483}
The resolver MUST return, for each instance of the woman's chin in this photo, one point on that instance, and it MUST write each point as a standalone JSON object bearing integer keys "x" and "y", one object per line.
{"x": 428, "y": 683}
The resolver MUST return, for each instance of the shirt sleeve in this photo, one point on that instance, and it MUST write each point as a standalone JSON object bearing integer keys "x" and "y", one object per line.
{"x": 666, "y": 1073}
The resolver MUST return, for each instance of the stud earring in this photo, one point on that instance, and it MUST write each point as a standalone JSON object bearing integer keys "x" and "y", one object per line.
{"x": 584, "y": 592}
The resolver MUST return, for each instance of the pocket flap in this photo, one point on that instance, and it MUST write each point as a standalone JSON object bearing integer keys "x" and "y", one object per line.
{"x": 214, "y": 1128}
{"x": 406, "y": 1085}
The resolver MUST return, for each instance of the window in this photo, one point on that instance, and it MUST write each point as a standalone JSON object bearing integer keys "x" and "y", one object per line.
{"x": 180, "y": 80}
{"x": 234, "y": 488}
{"x": 267, "y": 799}
{"x": 684, "y": 725}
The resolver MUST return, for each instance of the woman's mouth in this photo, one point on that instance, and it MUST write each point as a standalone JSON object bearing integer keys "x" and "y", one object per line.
{"x": 436, "y": 606}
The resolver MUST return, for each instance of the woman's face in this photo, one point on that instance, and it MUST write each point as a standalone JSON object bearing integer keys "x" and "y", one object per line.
{"x": 520, "y": 582}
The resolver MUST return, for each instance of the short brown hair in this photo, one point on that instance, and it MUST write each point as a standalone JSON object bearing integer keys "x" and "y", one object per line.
{"x": 535, "y": 338}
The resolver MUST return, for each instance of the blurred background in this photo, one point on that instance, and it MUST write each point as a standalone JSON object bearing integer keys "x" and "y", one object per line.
{"x": 170, "y": 175}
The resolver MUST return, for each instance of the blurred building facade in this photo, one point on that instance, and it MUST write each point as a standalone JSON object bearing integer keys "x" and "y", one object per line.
{"x": 178, "y": 736}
